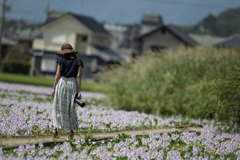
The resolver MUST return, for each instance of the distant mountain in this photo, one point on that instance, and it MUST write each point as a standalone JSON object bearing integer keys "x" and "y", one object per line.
{"x": 227, "y": 23}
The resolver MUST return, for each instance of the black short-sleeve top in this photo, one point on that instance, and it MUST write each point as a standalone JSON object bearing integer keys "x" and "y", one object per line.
{"x": 69, "y": 67}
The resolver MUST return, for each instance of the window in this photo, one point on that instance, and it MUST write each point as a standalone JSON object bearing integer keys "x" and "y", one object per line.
{"x": 94, "y": 65}
{"x": 48, "y": 65}
{"x": 59, "y": 38}
{"x": 157, "y": 48}
{"x": 163, "y": 31}
{"x": 84, "y": 38}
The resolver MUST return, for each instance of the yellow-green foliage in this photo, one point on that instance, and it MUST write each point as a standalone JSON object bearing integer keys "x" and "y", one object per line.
{"x": 228, "y": 96}
{"x": 173, "y": 82}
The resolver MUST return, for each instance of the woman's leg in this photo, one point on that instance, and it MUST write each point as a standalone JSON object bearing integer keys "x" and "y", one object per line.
{"x": 55, "y": 132}
{"x": 71, "y": 134}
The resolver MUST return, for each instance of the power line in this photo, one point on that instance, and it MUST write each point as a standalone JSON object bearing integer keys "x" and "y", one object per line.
{"x": 189, "y": 4}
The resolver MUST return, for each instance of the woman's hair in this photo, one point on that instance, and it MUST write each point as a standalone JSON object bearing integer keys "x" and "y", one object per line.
{"x": 68, "y": 55}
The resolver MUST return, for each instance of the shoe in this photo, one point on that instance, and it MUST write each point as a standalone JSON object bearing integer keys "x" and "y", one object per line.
{"x": 71, "y": 134}
{"x": 55, "y": 135}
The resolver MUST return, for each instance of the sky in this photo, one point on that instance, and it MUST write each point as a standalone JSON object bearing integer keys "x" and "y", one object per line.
{"x": 179, "y": 12}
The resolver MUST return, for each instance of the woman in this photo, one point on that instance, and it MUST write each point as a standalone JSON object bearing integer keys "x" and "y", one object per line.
{"x": 66, "y": 85}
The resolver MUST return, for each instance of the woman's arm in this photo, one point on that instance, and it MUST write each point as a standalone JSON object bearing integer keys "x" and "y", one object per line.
{"x": 78, "y": 77}
{"x": 57, "y": 77}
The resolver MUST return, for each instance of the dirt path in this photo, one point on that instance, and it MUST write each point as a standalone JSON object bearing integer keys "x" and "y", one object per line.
{"x": 14, "y": 141}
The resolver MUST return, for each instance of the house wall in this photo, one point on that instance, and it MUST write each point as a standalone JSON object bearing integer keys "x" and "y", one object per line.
{"x": 117, "y": 33}
{"x": 68, "y": 30}
{"x": 146, "y": 28}
{"x": 159, "y": 38}
{"x": 38, "y": 44}
{"x": 92, "y": 65}
{"x": 65, "y": 30}
{"x": 100, "y": 40}
{"x": 81, "y": 43}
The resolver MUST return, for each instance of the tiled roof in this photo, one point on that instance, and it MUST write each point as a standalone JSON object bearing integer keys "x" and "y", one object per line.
{"x": 31, "y": 35}
{"x": 107, "y": 54}
{"x": 181, "y": 35}
{"x": 176, "y": 31}
{"x": 233, "y": 41}
{"x": 6, "y": 40}
{"x": 207, "y": 40}
{"x": 89, "y": 22}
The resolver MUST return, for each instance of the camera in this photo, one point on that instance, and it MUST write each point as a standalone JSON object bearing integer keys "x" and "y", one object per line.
{"x": 78, "y": 101}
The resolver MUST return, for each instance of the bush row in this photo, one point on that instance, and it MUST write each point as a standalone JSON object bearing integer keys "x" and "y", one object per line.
{"x": 228, "y": 97}
{"x": 173, "y": 82}
{"x": 15, "y": 66}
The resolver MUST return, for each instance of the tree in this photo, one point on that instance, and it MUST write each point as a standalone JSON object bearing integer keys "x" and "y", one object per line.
{"x": 225, "y": 24}
{"x": 20, "y": 53}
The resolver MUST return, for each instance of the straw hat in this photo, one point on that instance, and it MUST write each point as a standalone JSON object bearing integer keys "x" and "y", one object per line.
{"x": 66, "y": 48}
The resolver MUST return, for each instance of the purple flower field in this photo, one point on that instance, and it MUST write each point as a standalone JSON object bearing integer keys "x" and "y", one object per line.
{"x": 33, "y": 117}
{"x": 26, "y": 110}
{"x": 22, "y": 116}
{"x": 168, "y": 146}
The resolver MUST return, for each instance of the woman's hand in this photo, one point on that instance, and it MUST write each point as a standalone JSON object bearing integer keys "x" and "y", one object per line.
{"x": 53, "y": 92}
{"x": 79, "y": 95}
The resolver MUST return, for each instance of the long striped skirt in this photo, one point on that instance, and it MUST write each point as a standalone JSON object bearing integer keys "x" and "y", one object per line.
{"x": 64, "y": 114}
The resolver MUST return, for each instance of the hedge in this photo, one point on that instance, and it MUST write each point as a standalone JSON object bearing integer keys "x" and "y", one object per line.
{"x": 15, "y": 66}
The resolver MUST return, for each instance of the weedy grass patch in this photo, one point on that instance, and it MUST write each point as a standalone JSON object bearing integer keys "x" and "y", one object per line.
{"x": 177, "y": 81}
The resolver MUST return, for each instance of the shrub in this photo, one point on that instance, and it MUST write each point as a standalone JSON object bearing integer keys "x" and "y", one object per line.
{"x": 173, "y": 82}
{"x": 15, "y": 66}
{"x": 228, "y": 96}
{"x": 19, "y": 52}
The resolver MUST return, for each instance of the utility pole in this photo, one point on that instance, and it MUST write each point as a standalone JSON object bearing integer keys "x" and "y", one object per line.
{"x": 1, "y": 28}
{"x": 31, "y": 30}
{"x": 47, "y": 9}
{"x": 82, "y": 7}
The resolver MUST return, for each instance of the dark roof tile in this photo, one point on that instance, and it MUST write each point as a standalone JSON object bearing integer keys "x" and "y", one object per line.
{"x": 233, "y": 41}
{"x": 176, "y": 31}
{"x": 112, "y": 56}
{"x": 182, "y": 35}
{"x": 89, "y": 22}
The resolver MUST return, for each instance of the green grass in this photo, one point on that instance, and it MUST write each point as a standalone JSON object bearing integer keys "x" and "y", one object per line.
{"x": 48, "y": 82}
{"x": 173, "y": 82}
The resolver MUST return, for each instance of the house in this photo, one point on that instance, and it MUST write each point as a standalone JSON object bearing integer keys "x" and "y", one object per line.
{"x": 51, "y": 14}
{"x": 117, "y": 32}
{"x": 231, "y": 42}
{"x": 85, "y": 35}
{"x": 207, "y": 40}
{"x": 7, "y": 42}
{"x": 150, "y": 21}
{"x": 162, "y": 37}
{"x": 27, "y": 35}
{"x": 122, "y": 40}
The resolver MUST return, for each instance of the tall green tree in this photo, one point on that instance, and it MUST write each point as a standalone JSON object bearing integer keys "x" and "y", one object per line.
{"x": 225, "y": 24}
